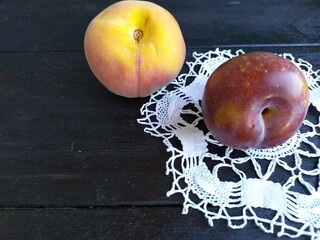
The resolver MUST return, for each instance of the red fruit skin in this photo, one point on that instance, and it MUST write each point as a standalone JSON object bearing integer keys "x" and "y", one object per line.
{"x": 255, "y": 100}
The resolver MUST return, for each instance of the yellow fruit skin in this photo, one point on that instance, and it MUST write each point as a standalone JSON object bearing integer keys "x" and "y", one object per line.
{"x": 130, "y": 67}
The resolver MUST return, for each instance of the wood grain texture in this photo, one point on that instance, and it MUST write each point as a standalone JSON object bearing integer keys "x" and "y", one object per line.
{"x": 67, "y": 141}
{"x": 41, "y": 25}
{"x": 74, "y": 162}
{"x": 63, "y": 133}
{"x": 165, "y": 223}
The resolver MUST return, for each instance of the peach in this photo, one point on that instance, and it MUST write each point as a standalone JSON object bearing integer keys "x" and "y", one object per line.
{"x": 134, "y": 48}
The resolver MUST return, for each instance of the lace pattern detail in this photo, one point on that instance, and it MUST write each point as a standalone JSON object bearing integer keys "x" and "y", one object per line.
{"x": 283, "y": 180}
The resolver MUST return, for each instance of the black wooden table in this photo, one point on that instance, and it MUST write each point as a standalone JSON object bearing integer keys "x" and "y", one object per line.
{"x": 74, "y": 162}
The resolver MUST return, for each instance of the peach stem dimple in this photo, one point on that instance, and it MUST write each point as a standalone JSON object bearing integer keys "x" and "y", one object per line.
{"x": 137, "y": 35}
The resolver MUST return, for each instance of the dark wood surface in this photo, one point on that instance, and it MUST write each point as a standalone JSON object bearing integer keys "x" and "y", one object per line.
{"x": 74, "y": 162}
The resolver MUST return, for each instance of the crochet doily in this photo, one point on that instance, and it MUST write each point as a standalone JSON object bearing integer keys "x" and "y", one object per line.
{"x": 277, "y": 188}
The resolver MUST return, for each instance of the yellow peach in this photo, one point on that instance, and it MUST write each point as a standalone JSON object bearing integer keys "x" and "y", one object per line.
{"x": 134, "y": 48}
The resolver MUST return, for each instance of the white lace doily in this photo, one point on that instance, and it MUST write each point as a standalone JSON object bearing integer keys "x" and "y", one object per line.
{"x": 277, "y": 188}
